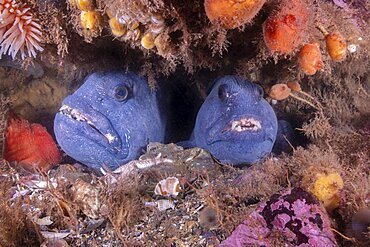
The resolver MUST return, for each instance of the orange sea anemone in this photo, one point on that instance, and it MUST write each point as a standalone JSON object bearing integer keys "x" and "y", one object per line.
{"x": 30, "y": 145}
{"x": 19, "y": 30}
{"x": 232, "y": 13}
{"x": 310, "y": 58}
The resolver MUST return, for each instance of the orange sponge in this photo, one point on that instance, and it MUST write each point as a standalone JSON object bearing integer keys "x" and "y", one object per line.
{"x": 310, "y": 59}
{"x": 232, "y": 13}
{"x": 285, "y": 30}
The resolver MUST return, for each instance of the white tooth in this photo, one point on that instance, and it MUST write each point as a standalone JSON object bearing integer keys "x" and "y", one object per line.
{"x": 64, "y": 107}
{"x": 110, "y": 137}
{"x": 233, "y": 125}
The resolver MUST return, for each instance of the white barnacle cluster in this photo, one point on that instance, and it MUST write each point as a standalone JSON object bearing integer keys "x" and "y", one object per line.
{"x": 19, "y": 31}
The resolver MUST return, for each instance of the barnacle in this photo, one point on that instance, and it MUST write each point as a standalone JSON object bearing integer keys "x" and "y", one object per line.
{"x": 284, "y": 31}
{"x": 84, "y": 5}
{"x": 336, "y": 46}
{"x": 279, "y": 91}
{"x": 90, "y": 20}
{"x": 232, "y": 13}
{"x": 310, "y": 58}
{"x": 116, "y": 27}
{"x": 147, "y": 41}
{"x": 19, "y": 31}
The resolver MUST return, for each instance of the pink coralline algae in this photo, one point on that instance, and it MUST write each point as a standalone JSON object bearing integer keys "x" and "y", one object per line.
{"x": 295, "y": 215}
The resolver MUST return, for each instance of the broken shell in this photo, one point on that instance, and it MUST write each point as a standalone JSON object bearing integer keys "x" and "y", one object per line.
{"x": 336, "y": 46}
{"x": 163, "y": 205}
{"x": 279, "y": 91}
{"x": 168, "y": 187}
{"x": 87, "y": 197}
{"x": 116, "y": 27}
{"x": 148, "y": 41}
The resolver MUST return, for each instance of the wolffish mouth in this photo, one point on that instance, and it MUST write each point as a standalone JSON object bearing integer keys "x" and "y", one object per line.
{"x": 244, "y": 124}
{"x": 77, "y": 115}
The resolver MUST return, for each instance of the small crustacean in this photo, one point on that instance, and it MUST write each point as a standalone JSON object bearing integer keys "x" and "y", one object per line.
{"x": 168, "y": 187}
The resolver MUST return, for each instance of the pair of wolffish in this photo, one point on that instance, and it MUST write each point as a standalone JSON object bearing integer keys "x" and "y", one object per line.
{"x": 114, "y": 115}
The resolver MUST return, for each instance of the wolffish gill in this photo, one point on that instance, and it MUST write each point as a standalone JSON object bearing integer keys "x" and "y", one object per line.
{"x": 109, "y": 120}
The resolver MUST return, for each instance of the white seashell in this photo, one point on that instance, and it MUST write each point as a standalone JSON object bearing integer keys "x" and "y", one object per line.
{"x": 168, "y": 187}
{"x": 46, "y": 221}
{"x": 54, "y": 235}
{"x": 163, "y": 205}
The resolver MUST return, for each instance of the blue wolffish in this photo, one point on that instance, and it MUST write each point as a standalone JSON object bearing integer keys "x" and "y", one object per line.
{"x": 235, "y": 123}
{"x": 109, "y": 120}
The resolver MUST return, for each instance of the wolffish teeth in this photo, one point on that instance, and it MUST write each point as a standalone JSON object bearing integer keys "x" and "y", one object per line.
{"x": 110, "y": 137}
{"x": 72, "y": 113}
{"x": 245, "y": 124}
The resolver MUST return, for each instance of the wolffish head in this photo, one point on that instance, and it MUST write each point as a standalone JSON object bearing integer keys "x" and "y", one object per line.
{"x": 235, "y": 123}
{"x": 109, "y": 120}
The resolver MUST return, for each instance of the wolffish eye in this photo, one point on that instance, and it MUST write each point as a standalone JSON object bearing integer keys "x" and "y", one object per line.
{"x": 223, "y": 92}
{"x": 121, "y": 93}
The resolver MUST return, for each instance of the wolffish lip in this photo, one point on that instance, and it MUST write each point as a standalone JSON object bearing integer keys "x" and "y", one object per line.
{"x": 79, "y": 116}
{"x": 243, "y": 124}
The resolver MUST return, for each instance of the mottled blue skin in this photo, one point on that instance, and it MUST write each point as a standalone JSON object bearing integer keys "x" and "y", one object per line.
{"x": 132, "y": 123}
{"x": 239, "y": 99}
